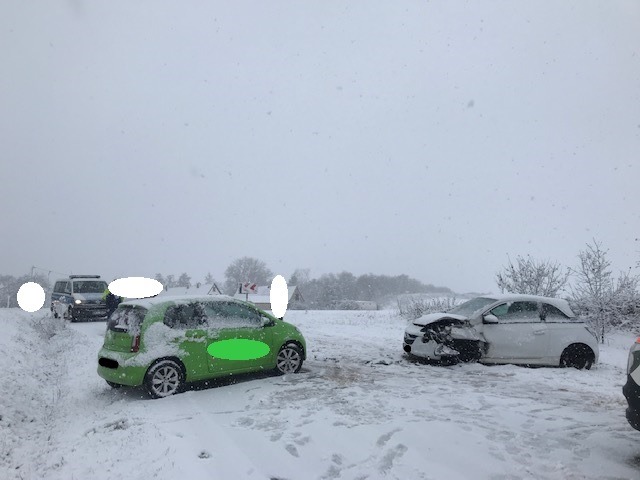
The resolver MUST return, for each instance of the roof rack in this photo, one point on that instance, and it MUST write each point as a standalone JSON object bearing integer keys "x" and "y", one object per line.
{"x": 84, "y": 276}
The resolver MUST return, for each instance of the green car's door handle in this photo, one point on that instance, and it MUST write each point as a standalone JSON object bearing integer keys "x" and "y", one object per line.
{"x": 194, "y": 334}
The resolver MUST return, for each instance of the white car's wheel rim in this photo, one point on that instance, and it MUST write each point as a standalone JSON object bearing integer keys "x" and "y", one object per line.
{"x": 165, "y": 381}
{"x": 288, "y": 360}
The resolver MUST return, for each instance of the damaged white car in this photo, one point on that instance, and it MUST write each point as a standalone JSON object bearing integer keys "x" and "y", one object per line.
{"x": 508, "y": 328}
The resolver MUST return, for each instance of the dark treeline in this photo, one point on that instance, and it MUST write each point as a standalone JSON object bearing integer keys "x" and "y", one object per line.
{"x": 331, "y": 291}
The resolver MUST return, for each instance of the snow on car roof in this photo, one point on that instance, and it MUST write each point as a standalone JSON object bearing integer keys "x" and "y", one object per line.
{"x": 157, "y": 300}
{"x": 559, "y": 303}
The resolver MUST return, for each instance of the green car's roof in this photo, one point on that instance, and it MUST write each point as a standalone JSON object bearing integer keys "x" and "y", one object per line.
{"x": 158, "y": 300}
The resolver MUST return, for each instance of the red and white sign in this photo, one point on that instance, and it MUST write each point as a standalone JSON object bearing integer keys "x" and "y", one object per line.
{"x": 248, "y": 287}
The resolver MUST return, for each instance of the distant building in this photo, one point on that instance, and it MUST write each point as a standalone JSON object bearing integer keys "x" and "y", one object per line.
{"x": 262, "y": 300}
{"x": 197, "y": 289}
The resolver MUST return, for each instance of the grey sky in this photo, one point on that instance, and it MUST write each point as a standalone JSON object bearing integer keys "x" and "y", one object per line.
{"x": 426, "y": 138}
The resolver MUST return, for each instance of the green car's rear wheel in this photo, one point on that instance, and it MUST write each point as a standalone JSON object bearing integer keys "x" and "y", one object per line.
{"x": 164, "y": 378}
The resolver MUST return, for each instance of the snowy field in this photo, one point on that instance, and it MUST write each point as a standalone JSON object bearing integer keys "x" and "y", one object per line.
{"x": 358, "y": 410}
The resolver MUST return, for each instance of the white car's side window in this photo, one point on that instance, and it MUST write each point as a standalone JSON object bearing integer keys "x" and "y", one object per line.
{"x": 517, "y": 312}
{"x": 552, "y": 314}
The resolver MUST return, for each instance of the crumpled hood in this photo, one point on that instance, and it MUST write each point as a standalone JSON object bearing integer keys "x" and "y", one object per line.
{"x": 435, "y": 317}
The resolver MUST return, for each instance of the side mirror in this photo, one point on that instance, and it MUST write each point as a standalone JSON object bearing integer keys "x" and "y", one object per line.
{"x": 266, "y": 322}
{"x": 490, "y": 319}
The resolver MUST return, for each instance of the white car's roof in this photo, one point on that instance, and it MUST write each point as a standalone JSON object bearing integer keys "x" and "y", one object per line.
{"x": 559, "y": 303}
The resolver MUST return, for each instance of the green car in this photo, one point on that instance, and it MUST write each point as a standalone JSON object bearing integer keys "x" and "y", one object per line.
{"x": 163, "y": 342}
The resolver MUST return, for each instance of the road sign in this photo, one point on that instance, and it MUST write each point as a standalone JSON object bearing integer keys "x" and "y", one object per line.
{"x": 248, "y": 287}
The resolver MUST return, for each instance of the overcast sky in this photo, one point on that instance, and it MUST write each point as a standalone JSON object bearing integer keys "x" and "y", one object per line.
{"x": 427, "y": 138}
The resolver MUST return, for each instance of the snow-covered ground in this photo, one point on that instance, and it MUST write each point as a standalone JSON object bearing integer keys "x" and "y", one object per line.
{"x": 358, "y": 410}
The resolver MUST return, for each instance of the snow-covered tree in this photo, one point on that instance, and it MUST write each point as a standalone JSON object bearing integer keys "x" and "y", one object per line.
{"x": 184, "y": 281}
{"x": 301, "y": 276}
{"x": 626, "y": 300}
{"x": 209, "y": 280}
{"x": 246, "y": 269}
{"x": 532, "y": 277}
{"x": 161, "y": 279}
{"x": 9, "y": 286}
{"x": 593, "y": 291}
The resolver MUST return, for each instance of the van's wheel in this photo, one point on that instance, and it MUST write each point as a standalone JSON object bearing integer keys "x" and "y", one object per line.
{"x": 164, "y": 378}
{"x": 68, "y": 315}
{"x": 289, "y": 359}
{"x": 577, "y": 356}
{"x": 54, "y": 313}
{"x": 113, "y": 385}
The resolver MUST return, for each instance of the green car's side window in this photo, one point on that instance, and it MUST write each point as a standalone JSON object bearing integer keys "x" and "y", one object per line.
{"x": 244, "y": 316}
{"x": 186, "y": 317}
{"x": 231, "y": 315}
{"x": 213, "y": 313}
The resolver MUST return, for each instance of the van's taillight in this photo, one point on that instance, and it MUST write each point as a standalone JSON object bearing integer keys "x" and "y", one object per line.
{"x": 135, "y": 344}
{"x": 638, "y": 340}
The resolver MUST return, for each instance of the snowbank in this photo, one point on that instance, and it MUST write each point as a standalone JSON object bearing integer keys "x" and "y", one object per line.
{"x": 359, "y": 409}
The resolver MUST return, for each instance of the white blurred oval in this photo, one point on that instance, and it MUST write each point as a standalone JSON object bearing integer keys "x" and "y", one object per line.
{"x": 279, "y": 296}
{"x": 30, "y": 297}
{"x": 135, "y": 287}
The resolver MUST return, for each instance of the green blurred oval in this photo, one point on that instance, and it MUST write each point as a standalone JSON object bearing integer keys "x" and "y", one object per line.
{"x": 238, "y": 349}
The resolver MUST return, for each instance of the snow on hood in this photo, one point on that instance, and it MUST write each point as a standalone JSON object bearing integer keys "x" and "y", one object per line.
{"x": 434, "y": 317}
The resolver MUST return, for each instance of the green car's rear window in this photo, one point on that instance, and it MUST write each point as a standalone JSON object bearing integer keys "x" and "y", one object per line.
{"x": 126, "y": 319}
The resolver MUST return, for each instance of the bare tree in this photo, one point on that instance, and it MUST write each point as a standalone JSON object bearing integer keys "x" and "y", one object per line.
{"x": 246, "y": 269}
{"x": 160, "y": 278}
{"x": 184, "y": 281}
{"x": 301, "y": 276}
{"x": 593, "y": 292}
{"x": 532, "y": 277}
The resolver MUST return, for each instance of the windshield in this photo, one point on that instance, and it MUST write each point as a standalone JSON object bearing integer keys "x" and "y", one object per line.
{"x": 468, "y": 309}
{"x": 89, "y": 286}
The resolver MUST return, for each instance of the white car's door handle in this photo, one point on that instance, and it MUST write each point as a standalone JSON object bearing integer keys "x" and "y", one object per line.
{"x": 539, "y": 332}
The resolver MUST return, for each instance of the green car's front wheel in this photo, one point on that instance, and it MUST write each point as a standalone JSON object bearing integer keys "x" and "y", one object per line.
{"x": 289, "y": 359}
{"x": 164, "y": 378}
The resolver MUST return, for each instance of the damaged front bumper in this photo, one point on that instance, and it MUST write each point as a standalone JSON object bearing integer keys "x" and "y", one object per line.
{"x": 444, "y": 339}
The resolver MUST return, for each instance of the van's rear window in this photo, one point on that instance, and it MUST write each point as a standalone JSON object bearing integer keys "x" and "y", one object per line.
{"x": 126, "y": 318}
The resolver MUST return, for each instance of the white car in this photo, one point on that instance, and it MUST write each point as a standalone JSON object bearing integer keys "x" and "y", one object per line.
{"x": 507, "y": 328}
